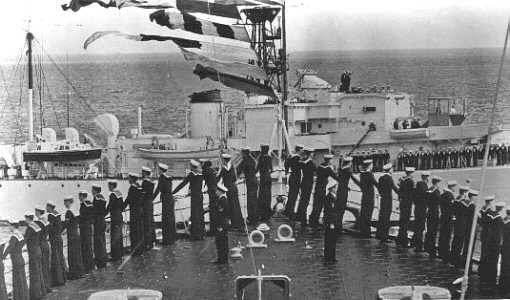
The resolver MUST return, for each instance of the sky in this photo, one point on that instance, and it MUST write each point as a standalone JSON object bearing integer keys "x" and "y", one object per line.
{"x": 311, "y": 24}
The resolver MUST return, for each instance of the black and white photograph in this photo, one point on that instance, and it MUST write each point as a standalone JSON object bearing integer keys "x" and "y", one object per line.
{"x": 254, "y": 149}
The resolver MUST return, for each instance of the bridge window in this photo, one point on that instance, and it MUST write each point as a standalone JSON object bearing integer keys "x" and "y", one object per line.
{"x": 306, "y": 127}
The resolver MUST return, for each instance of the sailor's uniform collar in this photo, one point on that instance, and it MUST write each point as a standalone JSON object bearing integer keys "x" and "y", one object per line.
{"x": 228, "y": 166}
{"x": 494, "y": 215}
{"x": 326, "y": 166}
{"x": 195, "y": 173}
{"x": 116, "y": 193}
{"x": 34, "y": 226}
{"x": 19, "y": 236}
{"x": 99, "y": 197}
{"x": 43, "y": 219}
{"x": 55, "y": 214}
{"x": 87, "y": 203}
{"x": 307, "y": 160}
{"x": 466, "y": 204}
{"x": 506, "y": 220}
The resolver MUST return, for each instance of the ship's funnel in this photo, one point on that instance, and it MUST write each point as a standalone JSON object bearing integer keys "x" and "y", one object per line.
{"x": 72, "y": 135}
{"x": 108, "y": 123}
{"x": 49, "y": 135}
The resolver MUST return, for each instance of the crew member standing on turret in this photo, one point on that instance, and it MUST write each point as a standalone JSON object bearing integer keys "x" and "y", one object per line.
{"x": 264, "y": 168}
{"x": 446, "y": 221}
{"x": 229, "y": 177}
{"x": 167, "y": 205}
{"x": 99, "y": 204}
{"x": 148, "y": 208}
{"x": 324, "y": 172}
{"x": 248, "y": 167}
{"x": 420, "y": 210}
{"x": 135, "y": 201}
{"x": 74, "y": 259}
{"x": 330, "y": 221}
{"x": 57, "y": 269}
{"x": 342, "y": 193}
{"x": 86, "y": 223}
{"x": 115, "y": 208}
{"x": 433, "y": 199}
{"x": 407, "y": 190}
{"x": 221, "y": 235}
{"x": 195, "y": 180}
{"x": 492, "y": 225}
{"x": 294, "y": 180}
{"x": 386, "y": 188}
{"x": 366, "y": 183}
{"x": 211, "y": 182}
{"x": 308, "y": 169}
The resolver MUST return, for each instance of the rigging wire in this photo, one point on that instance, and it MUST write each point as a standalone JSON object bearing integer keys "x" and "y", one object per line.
{"x": 11, "y": 80}
{"x": 18, "y": 118}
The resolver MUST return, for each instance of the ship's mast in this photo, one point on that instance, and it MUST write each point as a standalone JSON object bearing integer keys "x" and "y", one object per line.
{"x": 30, "y": 37}
{"x": 284, "y": 67}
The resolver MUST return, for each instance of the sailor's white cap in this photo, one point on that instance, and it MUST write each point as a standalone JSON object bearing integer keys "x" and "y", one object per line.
{"x": 226, "y": 156}
{"x": 387, "y": 166}
{"x": 221, "y": 187}
{"x": 367, "y": 161}
{"x": 436, "y": 178}
{"x": 331, "y": 184}
{"x": 425, "y": 173}
{"x": 68, "y": 198}
{"x": 328, "y": 156}
{"x": 463, "y": 188}
{"x": 83, "y": 192}
{"x": 500, "y": 204}
{"x": 51, "y": 203}
{"x": 28, "y": 214}
{"x": 40, "y": 208}
{"x": 96, "y": 186}
{"x": 133, "y": 174}
{"x": 194, "y": 163}
{"x": 473, "y": 192}
{"x": 489, "y": 198}
{"x": 163, "y": 166}
{"x": 409, "y": 169}
{"x": 451, "y": 183}
{"x": 146, "y": 169}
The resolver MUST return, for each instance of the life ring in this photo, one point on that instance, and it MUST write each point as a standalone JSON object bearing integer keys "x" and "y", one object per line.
{"x": 256, "y": 239}
{"x": 284, "y": 234}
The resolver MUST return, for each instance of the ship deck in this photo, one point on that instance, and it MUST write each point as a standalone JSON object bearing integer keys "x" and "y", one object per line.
{"x": 184, "y": 270}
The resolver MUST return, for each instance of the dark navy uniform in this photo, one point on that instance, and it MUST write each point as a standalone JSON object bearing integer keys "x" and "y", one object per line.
{"x": 265, "y": 167}
{"x": 324, "y": 172}
{"x": 292, "y": 164}
{"x": 459, "y": 231}
{"x": 228, "y": 174}
{"x": 308, "y": 169}
{"x": 211, "y": 182}
{"x": 167, "y": 208}
{"x": 330, "y": 226}
{"x": 342, "y": 193}
{"x": 221, "y": 235}
{"x": 407, "y": 190}
{"x": 366, "y": 183}
{"x": 45, "y": 252}
{"x": 136, "y": 234}
{"x": 433, "y": 199}
{"x": 195, "y": 180}
{"x": 37, "y": 286}
{"x": 386, "y": 187}
{"x": 57, "y": 269}
{"x": 445, "y": 224}
{"x": 86, "y": 223}
{"x": 100, "y": 255}
{"x": 115, "y": 208}
{"x": 420, "y": 213}
{"x": 504, "y": 278}
{"x": 74, "y": 258}
{"x": 148, "y": 213}
{"x": 492, "y": 228}
{"x": 248, "y": 166}
{"x": 19, "y": 276}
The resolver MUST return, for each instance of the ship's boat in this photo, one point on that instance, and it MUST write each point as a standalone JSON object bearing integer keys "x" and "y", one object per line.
{"x": 157, "y": 154}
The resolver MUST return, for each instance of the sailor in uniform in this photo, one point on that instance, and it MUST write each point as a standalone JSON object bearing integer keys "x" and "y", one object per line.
{"x": 99, "y": 206}
{"x": 469, "y": 214}
{"x": 420, "y": 210}
{"x": 459, "y": 226}
{"x": 229, "y": 177}
{"x": 433, "y": 199}
{"x": 342, "y": 194}
{"x": 58, "y": 265}
{"x": 367, "y": 183}
{"x": 134, "y": 200}
{"x": 446, "y": 220}
{"x": 264, "y": 168}
{"x": 167, "y": 205}
{"x": 195, "y": 180}
{"x": 74, "y": 259}
{"x": 492, "y": 224}
{"x": 211, "y": 182}
{"x": 407, "y": 188}
{"x": 3, "y": 287}
{"x": 148, "y": 208}
{"x": 37, "y": 286}
{"x": 248, "y": 167}
{"x": 386, "y": 188}
{"x": 308, "y": 169}
{"x": 330, "y": 221}
{"x": 44, "y": 245}
{"x": 86, "y": 223}
{"x": 294, "y": 180}
{"x": 19, "y": 277}
{"x": 504, "y": 277}
{"x": 324, "y": 172}
{"x": 221, "y": 234}
{"x": 115, "y": 208}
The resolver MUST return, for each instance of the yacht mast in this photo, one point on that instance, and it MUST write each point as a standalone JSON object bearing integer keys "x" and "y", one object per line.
{"x": 30, "y": 37}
